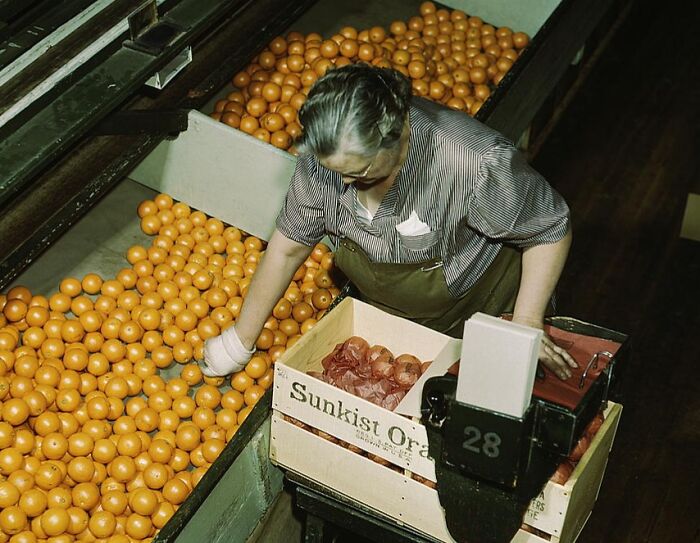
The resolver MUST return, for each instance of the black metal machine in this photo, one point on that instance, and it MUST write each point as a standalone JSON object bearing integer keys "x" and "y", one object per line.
{"x": 489, "y": 466}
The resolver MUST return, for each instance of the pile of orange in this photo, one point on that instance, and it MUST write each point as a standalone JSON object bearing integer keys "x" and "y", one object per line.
{"x": 96, "y": 441}
{"x": 451, "y": 57}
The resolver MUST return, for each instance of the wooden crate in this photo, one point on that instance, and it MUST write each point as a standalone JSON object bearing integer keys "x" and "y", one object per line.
{"x": 560, "y": 511}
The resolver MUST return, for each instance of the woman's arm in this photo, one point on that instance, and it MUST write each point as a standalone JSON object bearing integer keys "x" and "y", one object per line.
{"x": 542, "y": 266}
{"x": 230, "y": 351}
{"x": 272, "y": 277}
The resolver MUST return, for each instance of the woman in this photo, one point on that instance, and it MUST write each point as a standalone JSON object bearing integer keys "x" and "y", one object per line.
{"x": 435, "y": 216}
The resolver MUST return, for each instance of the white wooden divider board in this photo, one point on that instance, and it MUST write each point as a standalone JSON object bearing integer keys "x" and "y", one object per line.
{"x": 525, "y": 16}
{"x": 223, "y": 172}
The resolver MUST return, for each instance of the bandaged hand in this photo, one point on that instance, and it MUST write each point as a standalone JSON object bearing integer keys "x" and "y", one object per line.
{"x": 225, "y": 354}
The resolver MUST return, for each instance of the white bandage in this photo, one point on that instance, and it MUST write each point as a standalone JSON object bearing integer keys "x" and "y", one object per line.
{"x": 225, "y": 354}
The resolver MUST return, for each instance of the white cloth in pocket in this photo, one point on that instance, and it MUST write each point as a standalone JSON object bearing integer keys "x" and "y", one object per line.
{"x": 412, "y": 226}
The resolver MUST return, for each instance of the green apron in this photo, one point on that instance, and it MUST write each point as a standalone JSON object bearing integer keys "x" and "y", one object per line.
{"x": 419, "y": 291}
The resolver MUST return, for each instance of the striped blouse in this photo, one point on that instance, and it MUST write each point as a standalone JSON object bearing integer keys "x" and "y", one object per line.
{"x": 467, "y": 182}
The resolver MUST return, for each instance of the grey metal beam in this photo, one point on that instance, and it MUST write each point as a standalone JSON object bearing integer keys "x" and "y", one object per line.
{"x": 51, "y": 132}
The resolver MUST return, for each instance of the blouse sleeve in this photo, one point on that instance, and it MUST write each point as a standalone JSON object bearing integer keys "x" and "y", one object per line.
{"x": 301, "y": 218}
{"x": 512, "y": 202}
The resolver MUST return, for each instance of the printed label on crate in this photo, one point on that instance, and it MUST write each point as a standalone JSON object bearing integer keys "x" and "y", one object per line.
{"x": 538, "y": 516}
{"x": 353, "y": 420}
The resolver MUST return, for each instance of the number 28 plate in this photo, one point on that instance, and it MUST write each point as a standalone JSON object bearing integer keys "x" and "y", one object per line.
{"x": 484, "y": 443}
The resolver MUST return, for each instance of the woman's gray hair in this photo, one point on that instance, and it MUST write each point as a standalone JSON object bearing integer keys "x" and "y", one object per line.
{"x": 357, "y": 108}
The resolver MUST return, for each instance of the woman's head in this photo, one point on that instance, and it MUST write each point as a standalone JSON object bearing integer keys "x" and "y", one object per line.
{"x": 354, "y": 110}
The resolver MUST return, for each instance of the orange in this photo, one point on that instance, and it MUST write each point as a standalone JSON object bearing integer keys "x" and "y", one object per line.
{"x": 19, "y": 292}
{"x": 12, "y": 520}
{"x": 155, "y": 475}
{"x": 33, "y": 502}
{"x": 143, "y": 501}
{"x": 160, "y": 451}
{"x": 102, "y": 524}
{"x": 76, "y": 359}
{"x": 138, "y": 527}
{"x": 15, "y": 310}
{"x": 31, "y": 465}
{"x": 54, "y": 446}
{"x": 81, "y": 469}
{"x": 104, "y": 451}
{"x": 243, "y": 414}
{"x": 211, "y": 449}
{"x": 48, "y": 475}
{"x": 166, "y": 435}
{"x": 114, "y": 502}
{"x": 197, "y": 475}
{"x": 80, "y": 444}
{"x": 187, "y": 436}
{"x": 113, "y": 349}
{"x": 22, "y": 480}
{"x": 97, "y": 429}
{"x": 256, "y": 367}
{"x": 91, "y": 283}
{"x": 252, "y": 394}
{"x": 24, "y": 440}
{"x": 78, "y": 520}
{"x": 128, "y": 277}
{"x": 9, "y": 494}
{"x": 169, "y": 420}
{"x": 184, "y": 406}
{"x": 196, "y": 457}
{"x": 134, "y": 406}
{"x": 145, "y": 368}
{"x": 176, "y": 491}
{"x": 7, "y": 435}
{"x": 98, "y": 408}
{"x": 153, "y": 384}
{"x": 191, "y": 374}
{"x": 151, "y": 340}
{"x": 117, "y": 387}
{"x": 208, "y": 396}
{"x": 147, "y": 419}
{"x": 162, "y": 515}
{"x": 46, "y": 423}
{"x": 241, "y": 381}
{"x": 204, "y": 417}
{"x": 176, "y": 388}
{"x": 122, "y": 468}
{"x": 59, "y": 497}
{"x": 70, "y": 380}
{"x": 129, "y": 445}
{"x": 226, "y": 418}
{"x": 180, "y": 460}
{"x": 162, "y": 356}
{"x": 15, "y": 411}
{"x": 68, "y": 400}
{"x": 124, "y": 425}
{"x": 213, "y": 432}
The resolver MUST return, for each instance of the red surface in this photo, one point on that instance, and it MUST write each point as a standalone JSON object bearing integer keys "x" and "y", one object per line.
{"x": 581, "y": 348}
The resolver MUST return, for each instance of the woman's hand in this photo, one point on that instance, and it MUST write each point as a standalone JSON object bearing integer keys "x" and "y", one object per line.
{"x": 551, "y": 355}
{"x": 230, "y": 351}
{"x": 225, "y": 354}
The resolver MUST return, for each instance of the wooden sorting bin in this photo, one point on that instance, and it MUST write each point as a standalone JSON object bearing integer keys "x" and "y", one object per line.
{"x": 560, "y": 511}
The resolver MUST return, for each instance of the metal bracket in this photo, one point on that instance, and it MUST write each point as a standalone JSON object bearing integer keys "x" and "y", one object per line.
{"x": 133, "y": 122}
{"x": 148, "y": 33}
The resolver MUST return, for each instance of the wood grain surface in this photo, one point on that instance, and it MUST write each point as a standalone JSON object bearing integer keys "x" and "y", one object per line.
{"x": 624, "y": 156}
